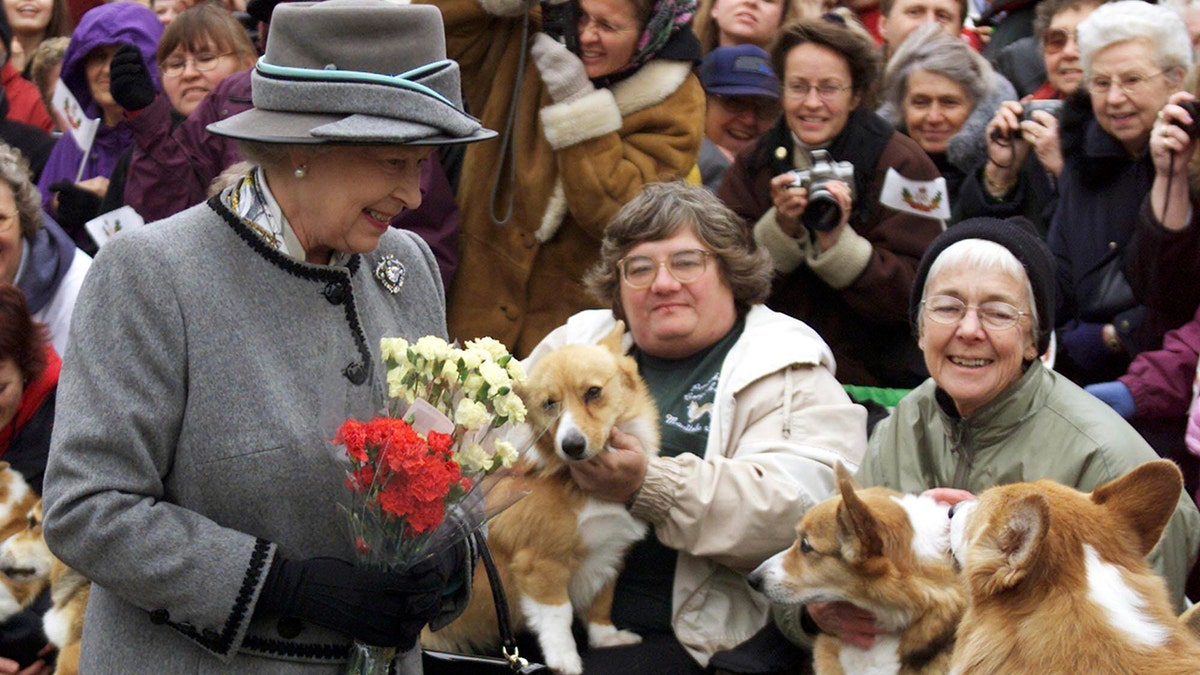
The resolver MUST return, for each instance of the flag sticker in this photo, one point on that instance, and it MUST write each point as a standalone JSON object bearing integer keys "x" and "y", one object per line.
{"x": 918, "y": 197}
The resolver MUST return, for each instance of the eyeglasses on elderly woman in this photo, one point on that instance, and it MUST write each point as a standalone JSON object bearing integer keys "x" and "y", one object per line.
{"x": 949, "y": 310}
{"x": 1056, "y": 39}
{"x": 684, "y": 266}
{"x": 1129, "y": 83}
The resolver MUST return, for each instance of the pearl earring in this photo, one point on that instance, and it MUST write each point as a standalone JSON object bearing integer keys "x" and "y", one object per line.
{"x": 300, "y": 171}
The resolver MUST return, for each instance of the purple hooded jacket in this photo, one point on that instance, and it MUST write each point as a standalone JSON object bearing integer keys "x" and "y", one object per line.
{"x": 113, "y": 24}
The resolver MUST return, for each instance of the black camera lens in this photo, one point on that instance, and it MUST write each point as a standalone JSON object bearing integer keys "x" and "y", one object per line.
{"x": 823, "y": 212}
{"x": 1193, "y": 109}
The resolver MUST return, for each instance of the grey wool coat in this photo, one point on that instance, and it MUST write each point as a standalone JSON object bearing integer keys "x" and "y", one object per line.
{"x": 205, "y": 377}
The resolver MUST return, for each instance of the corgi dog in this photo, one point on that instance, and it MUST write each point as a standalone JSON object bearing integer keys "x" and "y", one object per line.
{"x": 886, "y": 553}
{"x": 1058, "y": 582}
{"x": 558, "y": 550}
{"x": 16, "y": 498}
{"x": 25, "y": 557}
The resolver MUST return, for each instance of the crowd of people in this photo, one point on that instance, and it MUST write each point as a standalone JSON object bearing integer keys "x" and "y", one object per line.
{"x": 946, "y": 245}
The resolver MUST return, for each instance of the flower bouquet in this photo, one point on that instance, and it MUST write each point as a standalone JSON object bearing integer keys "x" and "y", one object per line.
{"x": 419, "y": 471}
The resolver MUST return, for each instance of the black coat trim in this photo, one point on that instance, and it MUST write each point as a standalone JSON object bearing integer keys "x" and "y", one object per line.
{"x": 355, "y": 372}
{"x": 222, "y": 643}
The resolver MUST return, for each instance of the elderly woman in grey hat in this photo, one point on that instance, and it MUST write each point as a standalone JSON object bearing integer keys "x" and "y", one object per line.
{"x": 983, "y": 305}
{"x": 193, "y": 480}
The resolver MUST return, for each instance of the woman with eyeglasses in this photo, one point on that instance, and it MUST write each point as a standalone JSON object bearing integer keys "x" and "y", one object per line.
{"x": 1024, "y": 152}
{"x": 1134, "y": 57}
{"x": 587, "y": 130}
{"x": 846, "y": 276}
{"x": 752, "y": 424}
{"x": 201, "y": 47}
{"x": 74, "y": 181}
{"x": 982, "y": 307}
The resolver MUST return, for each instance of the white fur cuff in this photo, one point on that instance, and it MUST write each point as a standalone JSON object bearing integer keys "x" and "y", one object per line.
{"x": 845, "y": 262}
{"x": 787, "y": 253}
{"x": 504, "y": 7}
{"x": 590, "y": 116}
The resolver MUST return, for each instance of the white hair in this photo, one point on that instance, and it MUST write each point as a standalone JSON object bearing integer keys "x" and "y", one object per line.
{"x": 983, "y": 255}
{"x": 1159, "y": 28}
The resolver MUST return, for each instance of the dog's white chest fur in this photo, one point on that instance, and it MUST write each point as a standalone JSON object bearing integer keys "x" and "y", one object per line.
{"x": 883, "y": 658}
{"x": 607, "y": 531}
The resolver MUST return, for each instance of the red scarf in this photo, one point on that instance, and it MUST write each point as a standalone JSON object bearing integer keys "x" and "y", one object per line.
{"x": 32, "y": 399}
{"x": 1046, "y": 92}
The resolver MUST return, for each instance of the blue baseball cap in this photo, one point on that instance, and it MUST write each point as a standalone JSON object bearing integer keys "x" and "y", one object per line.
{"x": 740, "y": 70}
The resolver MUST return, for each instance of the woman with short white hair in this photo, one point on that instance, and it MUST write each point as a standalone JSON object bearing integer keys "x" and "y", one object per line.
{"x": 1134, "y": 56}
{"x": 941, "y": 93}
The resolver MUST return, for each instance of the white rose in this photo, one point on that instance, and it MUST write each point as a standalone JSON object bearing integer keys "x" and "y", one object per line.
{"x": 472, "y": 357}
{"x": 396, "y": 386}
{"x": 432, "y": 348}
{"x": 516, "y": 372}
{"x": 472, "y": 385}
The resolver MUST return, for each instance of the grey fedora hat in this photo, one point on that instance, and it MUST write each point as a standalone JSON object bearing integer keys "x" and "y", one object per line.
{"x": 355, "y": 71}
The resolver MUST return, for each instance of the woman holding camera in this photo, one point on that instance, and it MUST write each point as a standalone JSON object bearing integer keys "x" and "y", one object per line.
{"x": 848, "y": 276}
{"x": 588, "y": 131}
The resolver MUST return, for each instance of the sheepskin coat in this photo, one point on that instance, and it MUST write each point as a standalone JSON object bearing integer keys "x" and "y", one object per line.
{"x": 577, "y": 163}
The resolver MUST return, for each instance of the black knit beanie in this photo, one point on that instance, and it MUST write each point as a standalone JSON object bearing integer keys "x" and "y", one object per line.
{"x": 1021, "y": 239}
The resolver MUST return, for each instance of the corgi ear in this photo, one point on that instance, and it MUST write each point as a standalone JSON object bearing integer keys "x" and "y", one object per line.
{"x": 858, "y": 530}
{"x": 1016, "y": 540}
{"x": 1145, "y": 498}
{"x": 612, "y": 341}
{"x": 843, "y": 475}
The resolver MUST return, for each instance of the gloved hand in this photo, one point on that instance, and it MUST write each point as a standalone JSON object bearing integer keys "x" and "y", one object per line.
{"x": 378, "y": 608}
{"x": 563, "y": 73}
{"x": 76, "y": 205}
{"x": 129, "y": 79}
{"x": 1116, "y": 395}
{"x": 1084, "y": 346}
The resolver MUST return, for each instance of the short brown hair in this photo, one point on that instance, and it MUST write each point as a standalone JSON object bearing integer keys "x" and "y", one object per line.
{"x": 885, "y": 8}
{"x": 660, "y": 212}
{"x": 21, "y": 338}
{"x": 196, "y": 26}
{"x": 859, "y": 51}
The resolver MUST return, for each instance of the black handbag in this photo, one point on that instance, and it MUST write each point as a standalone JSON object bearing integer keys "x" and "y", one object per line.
{"x": 510, "y": 661}
{"x": 1111, "y": 293}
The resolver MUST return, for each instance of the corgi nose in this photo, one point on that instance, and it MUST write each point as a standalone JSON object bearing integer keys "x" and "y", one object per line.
{"x": 574, "y": 445}
{"x": 755, "y": 579}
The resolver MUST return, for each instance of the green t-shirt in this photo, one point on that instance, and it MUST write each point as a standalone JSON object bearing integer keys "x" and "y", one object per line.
{"x": 684, "y": 390}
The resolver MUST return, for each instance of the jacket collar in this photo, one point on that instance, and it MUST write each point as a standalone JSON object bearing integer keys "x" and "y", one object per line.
{"x": 995, "y": 421}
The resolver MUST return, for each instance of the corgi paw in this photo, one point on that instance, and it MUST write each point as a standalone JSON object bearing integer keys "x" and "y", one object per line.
{"x": 565, "y": 664}
{"x": 606, "y": 635}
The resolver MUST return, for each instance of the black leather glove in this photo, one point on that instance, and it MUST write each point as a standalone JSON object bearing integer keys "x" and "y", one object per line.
{"x": 129, "y": 79}
{"x": 76, "y": 206}
{"x": 379, "y": 608}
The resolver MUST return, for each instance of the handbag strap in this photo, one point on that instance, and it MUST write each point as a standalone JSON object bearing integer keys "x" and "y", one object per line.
{"x": 508, "y": 642}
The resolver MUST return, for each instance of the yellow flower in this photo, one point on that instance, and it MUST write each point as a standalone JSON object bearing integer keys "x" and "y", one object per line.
{"x": 490, "y": 345}
{"x": 506, "y": 454}
{"x": 510, "y": 406}
{"x": 472, "y": 458}
{"x": 394, "y": 349}
{"x": 471, "y": 415}
{"x": 494, "y": 375}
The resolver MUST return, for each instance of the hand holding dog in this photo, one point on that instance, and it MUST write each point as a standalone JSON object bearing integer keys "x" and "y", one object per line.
{"x": 852, "y": 625}
{"x": 39, "y": 667}
{"x": 615, "y": 475}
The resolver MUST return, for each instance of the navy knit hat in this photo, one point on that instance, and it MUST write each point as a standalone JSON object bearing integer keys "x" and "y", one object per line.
{"x": 1021, "y": 239}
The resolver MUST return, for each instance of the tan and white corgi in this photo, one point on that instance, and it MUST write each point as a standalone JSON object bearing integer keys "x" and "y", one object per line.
{"x": 24, "y": 557}
{"x": 558, "y": 550}
{"x": 886, "y": 553}
{"x": 1058, "y": 580}
{"x": 16, "y": 498}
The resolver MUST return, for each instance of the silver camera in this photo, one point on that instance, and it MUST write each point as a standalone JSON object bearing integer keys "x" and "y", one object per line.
{"x": 823, "y": 212}
{"x": 1052, "y": 106}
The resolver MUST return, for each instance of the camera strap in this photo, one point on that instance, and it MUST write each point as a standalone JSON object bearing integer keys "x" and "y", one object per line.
{"x": 508, "y": 162}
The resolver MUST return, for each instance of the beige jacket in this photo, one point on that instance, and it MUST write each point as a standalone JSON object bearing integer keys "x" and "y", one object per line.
{"x": 780, "y": 421}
